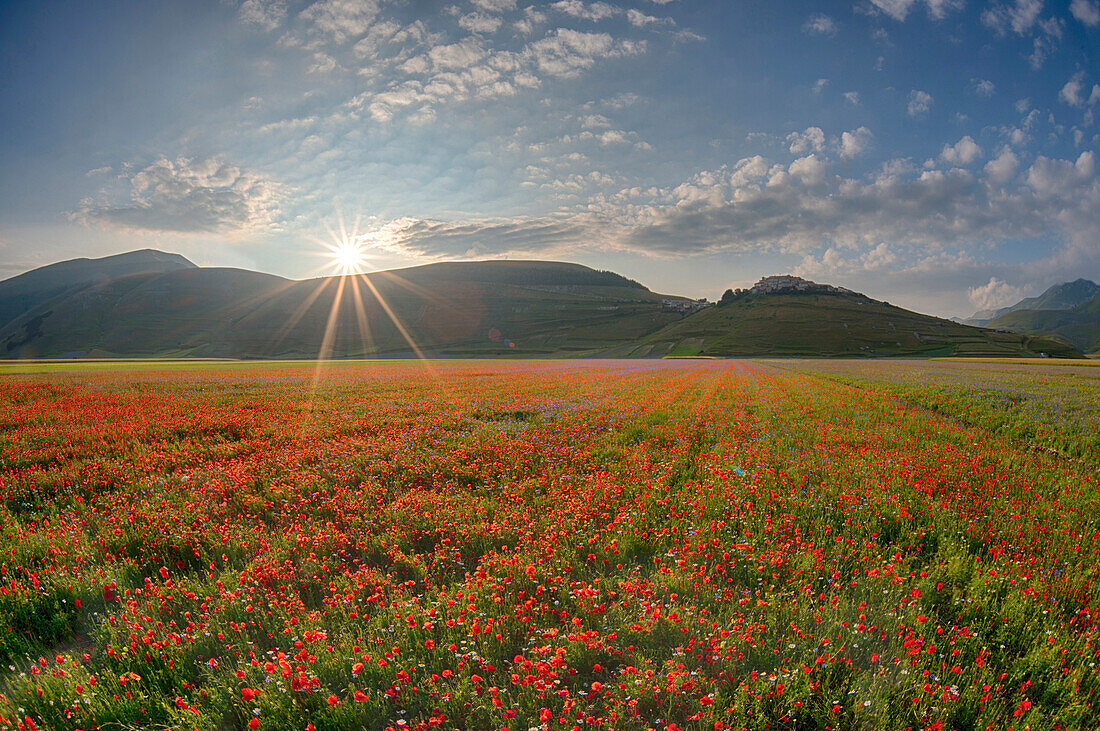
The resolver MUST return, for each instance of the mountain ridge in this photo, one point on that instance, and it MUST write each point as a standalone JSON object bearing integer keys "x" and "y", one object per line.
{"x": 1062, "y": 296}
{"x": 832, "y": 321}
{"x": 493, "y": 308}
{"x": 1079, "y": 325}
{"x": 30, "y": 289}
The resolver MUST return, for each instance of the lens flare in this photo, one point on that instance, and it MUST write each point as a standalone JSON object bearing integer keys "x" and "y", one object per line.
{"x": 349, "y": 256}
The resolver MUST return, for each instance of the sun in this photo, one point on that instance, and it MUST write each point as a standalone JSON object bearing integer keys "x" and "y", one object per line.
{"x": 349, "y": 256}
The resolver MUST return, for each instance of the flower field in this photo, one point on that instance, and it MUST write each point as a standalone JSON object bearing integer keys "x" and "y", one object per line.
{"x": 1050, "y": 406}
{"x": 555, "y": 545}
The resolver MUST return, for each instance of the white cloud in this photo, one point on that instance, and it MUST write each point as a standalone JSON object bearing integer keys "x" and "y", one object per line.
{"x": 189, "y": 196}
{"x": 899, "y": 234}
{"x": 963, "y": 152}
{"x": 495, "y": 6}
{"x": 341, "y": 20}
{"x": 899, "y": 9}
{"x": 380, "y": 34}
{"x": 878, "y": 258}
{"x": 639, "y": 19}
{"x": 1022, "y": 17}
{"x": 595, "y": 121}
{"x": 900, "y": 217}
{"x": 415, "y": 65}
{"x": 565, "y": 52}
{"x": 1053, "y": 178}
{"x": 1086, "y": 11}
{"x": 263, "y": 14}
{"x": 1002, "y": 168}
{"x": 1071, "y": 92}
{"x": 819, "y": 85}
{"x": 1046, "y": 40}
{"x": 994, "y": 295}
{"x": 461, "y": 55}
{"x": 531, "y": 18}
{"x": 1018, "y": 16}
{"x": 812, "y": 139}
{"x": 809, "y": 169}
{"x": 920, "y": 102}
{"x": 855, "y": 143}
{"x": 613, "y": 137}
{"x": 473, "y": 69}
{"x": 322, "y": 63}
{"x": 852, "y": 97}
{"x": 586, "y": 11}
{"x": 819, "y": 25}
{"x": 480, "y": 23}
{"x": 984, "y": 87}
{"x": 622, "y": 101}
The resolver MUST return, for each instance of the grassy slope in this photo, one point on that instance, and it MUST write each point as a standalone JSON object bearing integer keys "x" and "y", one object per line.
{"x": 834, "y": 325}
{"x": 26, "y": 291}
{"x": 228, "y": 312}
{"x": 455, "y": 309}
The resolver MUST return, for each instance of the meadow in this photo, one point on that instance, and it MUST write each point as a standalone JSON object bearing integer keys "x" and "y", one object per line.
{"x": 556, "y": 545}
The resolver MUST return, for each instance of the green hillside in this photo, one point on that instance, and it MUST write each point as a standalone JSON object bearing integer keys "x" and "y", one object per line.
{"x": 235, "y": 313}
{"x": 834, "y": 325}
{"x": 510, "y": 308}
{"x": 1079, "y": 325}
{"x": 518, "y": 272}
{"x": 1064, "y": 296}
{"x": 26, "y": 291}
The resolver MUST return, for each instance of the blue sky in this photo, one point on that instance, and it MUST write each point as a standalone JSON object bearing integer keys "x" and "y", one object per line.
{"x": 940, "y": 154}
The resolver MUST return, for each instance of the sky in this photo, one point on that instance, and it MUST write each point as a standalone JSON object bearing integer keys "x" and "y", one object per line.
{"x": 943, "y": 155}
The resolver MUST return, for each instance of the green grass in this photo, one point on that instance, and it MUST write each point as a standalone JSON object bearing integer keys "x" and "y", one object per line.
{"x": 1053, "y": 408}
{"x": 715, "y": 544}
{"x": 823, "y": 325}
{"x": 1091, "y": 362}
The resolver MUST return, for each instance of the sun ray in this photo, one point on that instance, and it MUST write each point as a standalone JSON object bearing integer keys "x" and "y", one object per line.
{"x": 436, "y": 379}
{"x": 361, "y": 316}
{"x": 329, "y": 336}
{"x": 394, "y": 319}
{"x": 323, "y": 352}
{"x": 300, "y": 312}
{"x": 416, "y": 289}
{"x": 347, "y": 256}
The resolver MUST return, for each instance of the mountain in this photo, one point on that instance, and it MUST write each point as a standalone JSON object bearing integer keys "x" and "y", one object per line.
{"x": 30, "y": 289}
{"x": 528, "y": 308}
{"x": 1079, "y": 325}
{"x": 517, "y": 272}
{"x": 468, "y": 308}
{"x": 788, "y": 316}
{"x": 1064, "y": 296}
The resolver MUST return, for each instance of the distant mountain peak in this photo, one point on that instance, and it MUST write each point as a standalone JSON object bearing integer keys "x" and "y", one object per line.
{"x": 151, "y": 255}
{"x": 85, "y": 268}
{"x": 1063, "y": 296}
{"x": 28, "y": 290}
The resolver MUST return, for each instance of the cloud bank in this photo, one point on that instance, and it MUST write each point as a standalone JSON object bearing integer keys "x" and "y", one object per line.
{"x": 189, "y": 196}
{"x": 795, "y": 208}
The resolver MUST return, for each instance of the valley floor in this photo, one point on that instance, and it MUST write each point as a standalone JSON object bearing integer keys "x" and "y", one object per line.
{"x": 684, "y": 544}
